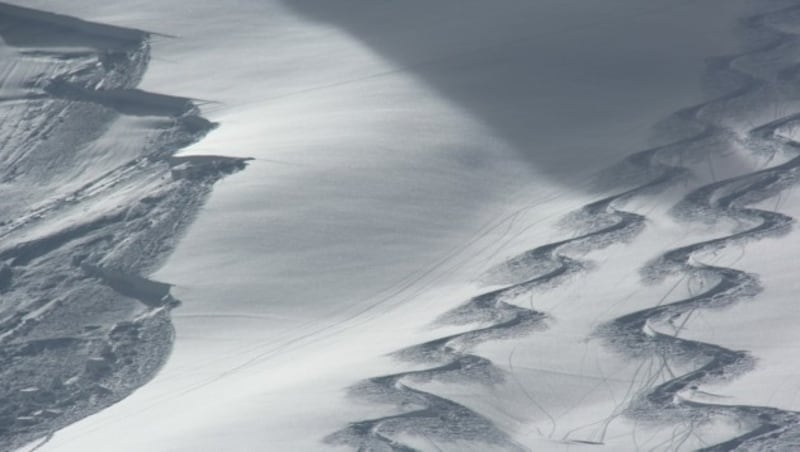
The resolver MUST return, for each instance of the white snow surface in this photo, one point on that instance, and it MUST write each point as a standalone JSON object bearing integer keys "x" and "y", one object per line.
{"x": 402, "y": 150}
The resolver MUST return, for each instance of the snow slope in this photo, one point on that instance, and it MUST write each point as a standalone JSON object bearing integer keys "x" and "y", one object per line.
{"x": 398, "y": 232}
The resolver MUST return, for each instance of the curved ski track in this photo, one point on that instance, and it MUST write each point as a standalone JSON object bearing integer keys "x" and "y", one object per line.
{"x": 636, "y": 334}
{"x": 433, "y": 416}
{"x": 430, "y": 416}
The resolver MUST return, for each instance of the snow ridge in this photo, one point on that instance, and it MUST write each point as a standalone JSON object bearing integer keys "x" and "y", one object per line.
{"x": 93, "y": 201}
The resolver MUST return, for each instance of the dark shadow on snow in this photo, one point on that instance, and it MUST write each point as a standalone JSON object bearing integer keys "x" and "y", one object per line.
{"x": 556, "y": 80}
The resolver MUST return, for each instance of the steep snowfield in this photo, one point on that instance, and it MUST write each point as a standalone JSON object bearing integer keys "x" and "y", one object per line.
{"x": 394, "y": 271}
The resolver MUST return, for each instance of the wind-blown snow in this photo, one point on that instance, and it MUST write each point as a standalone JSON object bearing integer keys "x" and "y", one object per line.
{"x": 393, "y": 269}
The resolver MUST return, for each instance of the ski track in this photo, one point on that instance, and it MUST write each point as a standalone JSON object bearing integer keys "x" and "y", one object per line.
{"x": 427, "y": 415}
{"x": 436, "y": 417}
{"x": 83, "y": 220}
{"x": 542, "y": 267}
{"x": 636, "y": 334}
